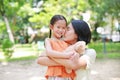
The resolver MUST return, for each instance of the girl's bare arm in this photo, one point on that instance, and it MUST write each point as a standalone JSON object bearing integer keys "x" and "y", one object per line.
{"x": 52, "y": 53}
{"x": 45, "y": 60}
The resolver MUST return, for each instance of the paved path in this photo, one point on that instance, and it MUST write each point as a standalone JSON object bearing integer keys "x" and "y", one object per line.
{"x": 104, "y": 69}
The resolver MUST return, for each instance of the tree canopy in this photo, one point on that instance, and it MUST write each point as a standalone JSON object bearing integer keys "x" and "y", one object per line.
{"x": 37, "y": 13}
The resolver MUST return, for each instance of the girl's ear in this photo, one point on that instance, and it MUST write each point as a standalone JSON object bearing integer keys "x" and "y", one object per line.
{"x": 51, "y": 26}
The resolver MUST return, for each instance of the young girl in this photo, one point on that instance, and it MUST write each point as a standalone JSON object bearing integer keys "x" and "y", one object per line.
{"x": 56, "y": 46}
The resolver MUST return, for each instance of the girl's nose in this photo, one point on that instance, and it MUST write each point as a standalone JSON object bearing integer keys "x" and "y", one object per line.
{"x": 61, "y": 30}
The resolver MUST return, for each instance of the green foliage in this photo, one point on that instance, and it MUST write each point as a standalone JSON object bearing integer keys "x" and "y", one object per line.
{"x": 104, "y": 8}
{"x": 25, "y": 11}
{"x": 95, "y": 35}
{"x": 7, "y": 48}
{"x": 2, "y": 26}
{"x": 49, "y": 8}
{"x": 21, "y": 13}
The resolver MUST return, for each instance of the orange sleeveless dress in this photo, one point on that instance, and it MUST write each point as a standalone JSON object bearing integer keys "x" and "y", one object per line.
{"x": 59, "y": 71}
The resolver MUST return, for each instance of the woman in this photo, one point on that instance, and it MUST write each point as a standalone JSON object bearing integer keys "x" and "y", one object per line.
{"x": 78, "y": 30}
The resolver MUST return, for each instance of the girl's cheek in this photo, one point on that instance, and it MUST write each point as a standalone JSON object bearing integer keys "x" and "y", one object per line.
{"x": 64, "y": 32}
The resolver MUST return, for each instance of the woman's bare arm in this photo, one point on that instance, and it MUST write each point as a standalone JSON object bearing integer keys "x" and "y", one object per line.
{"x": 84, "y": 62}
{"x": 72, "y": 63}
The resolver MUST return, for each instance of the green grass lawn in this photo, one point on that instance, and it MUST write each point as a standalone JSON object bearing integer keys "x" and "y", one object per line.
{"x": 23, "y": 58}
{"x": 110, "y": 47}
{"x": 108, "y": 55}
{"x": 99, "y": 56}
{"x": 112, "y": 51}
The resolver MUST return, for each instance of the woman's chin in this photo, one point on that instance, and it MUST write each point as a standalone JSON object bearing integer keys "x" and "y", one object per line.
{"x": 67, "y": 41}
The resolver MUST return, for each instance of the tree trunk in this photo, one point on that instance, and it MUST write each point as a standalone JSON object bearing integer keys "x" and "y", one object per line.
{"x": 8, "y": 29}
{"x": 112, "y": 25}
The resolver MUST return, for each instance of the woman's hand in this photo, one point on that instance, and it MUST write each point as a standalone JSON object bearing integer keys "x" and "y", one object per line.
{"x": 78, "y": 61}
{"x": 75, "y": 57}
{"x": 75, "y": 60}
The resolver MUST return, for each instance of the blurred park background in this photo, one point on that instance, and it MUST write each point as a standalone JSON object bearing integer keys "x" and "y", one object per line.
{"x": 24, "y": 24}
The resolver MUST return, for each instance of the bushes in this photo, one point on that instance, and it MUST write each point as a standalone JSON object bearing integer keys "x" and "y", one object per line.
{"x": 7, "y": 48}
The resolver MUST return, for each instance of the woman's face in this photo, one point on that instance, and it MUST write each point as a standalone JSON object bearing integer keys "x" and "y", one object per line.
{"x": 70, "y": 35}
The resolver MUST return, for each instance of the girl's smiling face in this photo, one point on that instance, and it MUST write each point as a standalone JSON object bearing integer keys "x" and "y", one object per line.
{"x": 58, "y": 29}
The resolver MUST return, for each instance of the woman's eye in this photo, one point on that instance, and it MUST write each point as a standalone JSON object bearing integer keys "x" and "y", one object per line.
{"x": 68, "y": 29}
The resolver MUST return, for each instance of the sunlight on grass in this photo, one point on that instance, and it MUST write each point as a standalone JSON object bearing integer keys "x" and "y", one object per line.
{"x": 23, "y": 58}
{"x": 109, "y": 55}
{"x": 5, "y": 62}
{"x": 23, "y": 50}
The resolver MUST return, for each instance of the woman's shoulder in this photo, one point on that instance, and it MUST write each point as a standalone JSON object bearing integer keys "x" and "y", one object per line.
{"x": 90, "y": 51}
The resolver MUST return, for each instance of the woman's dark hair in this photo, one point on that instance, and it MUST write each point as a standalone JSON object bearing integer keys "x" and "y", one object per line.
{"x": 82, "y": 30}
{"x": 54, "y": 19}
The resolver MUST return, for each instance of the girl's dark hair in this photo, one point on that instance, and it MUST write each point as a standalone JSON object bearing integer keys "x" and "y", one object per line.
{"x": 54, "y": 19}
{"x": 82, "y": 30}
